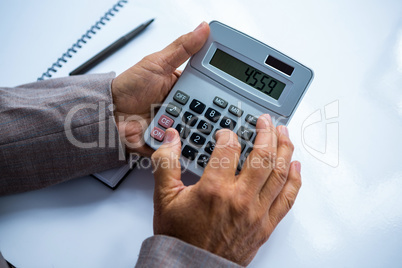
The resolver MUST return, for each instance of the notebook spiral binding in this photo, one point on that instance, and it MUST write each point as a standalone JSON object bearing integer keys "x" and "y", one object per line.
{"x": 83, "y": 40}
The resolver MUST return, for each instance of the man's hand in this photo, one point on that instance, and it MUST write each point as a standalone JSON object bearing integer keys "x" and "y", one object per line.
{"x": 229, "y": 215}
{"x": 148, "y": 82}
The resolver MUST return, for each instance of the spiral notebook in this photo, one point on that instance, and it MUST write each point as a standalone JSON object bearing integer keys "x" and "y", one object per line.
{"x": 121, "y": 18}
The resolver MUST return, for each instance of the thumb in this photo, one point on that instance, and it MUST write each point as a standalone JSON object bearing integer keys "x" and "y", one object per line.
{"x": 183, "y": 48}
{"x": 166, "y": 165}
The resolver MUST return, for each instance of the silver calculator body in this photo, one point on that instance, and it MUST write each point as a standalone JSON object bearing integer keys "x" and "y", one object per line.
{"x": 229, "y": 83}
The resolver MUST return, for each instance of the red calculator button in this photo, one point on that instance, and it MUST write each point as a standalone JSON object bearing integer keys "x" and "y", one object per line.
{"x": 165, "y": 121}
{"x": 158, "y": 134}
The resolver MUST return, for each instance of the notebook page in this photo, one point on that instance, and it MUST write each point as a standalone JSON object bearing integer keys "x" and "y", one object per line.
{"x": 35, "y": 33}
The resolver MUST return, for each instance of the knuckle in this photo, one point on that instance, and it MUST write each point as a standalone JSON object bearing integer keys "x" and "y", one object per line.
{"x": 211, "y": 191}
{"x": 289, "y": 200}
{"x": 280, "y": 175}
{"x": 265, "y": 155}
{"x": 298, "y": 182}
{"x": 240, "y": 205}
{"x": 268, "y": 129}
{"x": 287, "y": 143}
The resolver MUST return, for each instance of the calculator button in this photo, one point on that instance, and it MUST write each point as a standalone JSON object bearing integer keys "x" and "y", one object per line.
{"x": 212, "y": 115}
{"x": 245, "y": 133}
{"x": 197, "y": 139}
{"x": 173, "y": 109}
{"x": 247, "y": 153}
{"x": 242, "y": 145}
{"x": 220, "y": 102}
{"x": 189, "y": 152}
{"x": 251, "y": 119}
{"x": 183, "y": 131}
{"x": 190, "y": 119}
{"x": 209, "y": 148}
{"x": 235, "y": 110}
{"x": 226, "y": 122}
{"x": 197, "y": 106}
{"x": 181, "y": 97}
{"x": 158, "y": 134}
{"x": 244, "y": 159}
{"x": 165, "y": 121}
{"x": 203, "y": 160}
{"x": 205, "y": 127}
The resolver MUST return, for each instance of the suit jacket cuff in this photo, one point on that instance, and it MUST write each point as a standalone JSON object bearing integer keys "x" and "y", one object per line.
{"x": 166, "y": 251}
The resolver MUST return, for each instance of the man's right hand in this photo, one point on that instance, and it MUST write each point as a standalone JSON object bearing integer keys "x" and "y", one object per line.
{"x": 227, "y": 214}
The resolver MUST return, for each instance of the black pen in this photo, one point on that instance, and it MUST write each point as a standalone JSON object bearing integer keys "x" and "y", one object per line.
{"x": 110, "y": 49}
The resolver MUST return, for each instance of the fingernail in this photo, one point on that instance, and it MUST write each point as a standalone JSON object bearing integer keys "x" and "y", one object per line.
{"x": 284, "y": 130}
{"x": 298, "y": 166}
{"x": 199, "y": 26}
{"x": 169, "y": 136}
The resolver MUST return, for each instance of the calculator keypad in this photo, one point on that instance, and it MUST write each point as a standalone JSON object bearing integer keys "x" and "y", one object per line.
{"x": 212, "y": 115}
{"x": 220, "y": 102}
{"x": 205, "y": 127}
{"x": 251, "y": 119}
{"x": 183, "y": 131}
{"x": 158, "y": 134}
{"x": 199, "y": 124}
{"x": 181, "y": 97}
{"x": 197, "y": 139}
{"x": 165, "y": 121}
{"x": 190, "y": 119}
{"x": 203, "y": 160}
{"x": 189, "y": 152}
{"x": 235, "y": 111}
{"x": 209, "y": 148}
{"x": 227, "y": 122}
{"x": 173, "y": 109}
{"x": 245, "y": 133}
{"x": 197, "y": 106}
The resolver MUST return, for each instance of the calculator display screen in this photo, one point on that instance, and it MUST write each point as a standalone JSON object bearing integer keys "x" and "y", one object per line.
{"x": 247, "y": 74}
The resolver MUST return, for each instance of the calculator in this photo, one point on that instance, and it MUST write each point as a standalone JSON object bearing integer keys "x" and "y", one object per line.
{"x": 229, "y": 83}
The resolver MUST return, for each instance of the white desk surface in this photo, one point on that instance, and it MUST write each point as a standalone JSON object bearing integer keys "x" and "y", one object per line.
{"x": 349, "y": 211}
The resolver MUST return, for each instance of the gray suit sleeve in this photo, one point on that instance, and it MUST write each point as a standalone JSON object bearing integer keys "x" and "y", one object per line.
{"x": 55, "y": 130}
{"x": 3, "y": 263}
{"x": 166, "y": 251}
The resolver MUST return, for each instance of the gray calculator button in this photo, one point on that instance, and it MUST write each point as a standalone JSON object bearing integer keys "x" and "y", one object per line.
{"x": 181, "y": 97}
{"x": 209, "y": 148}
{"x": 220, "y": 102}
{"x": 242, "y": 145}
{"x": 173, "y": 109}
{"x": 252, "y": 120}
{"x": 235, "y": 110}
{"x": 245, "y": 133}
